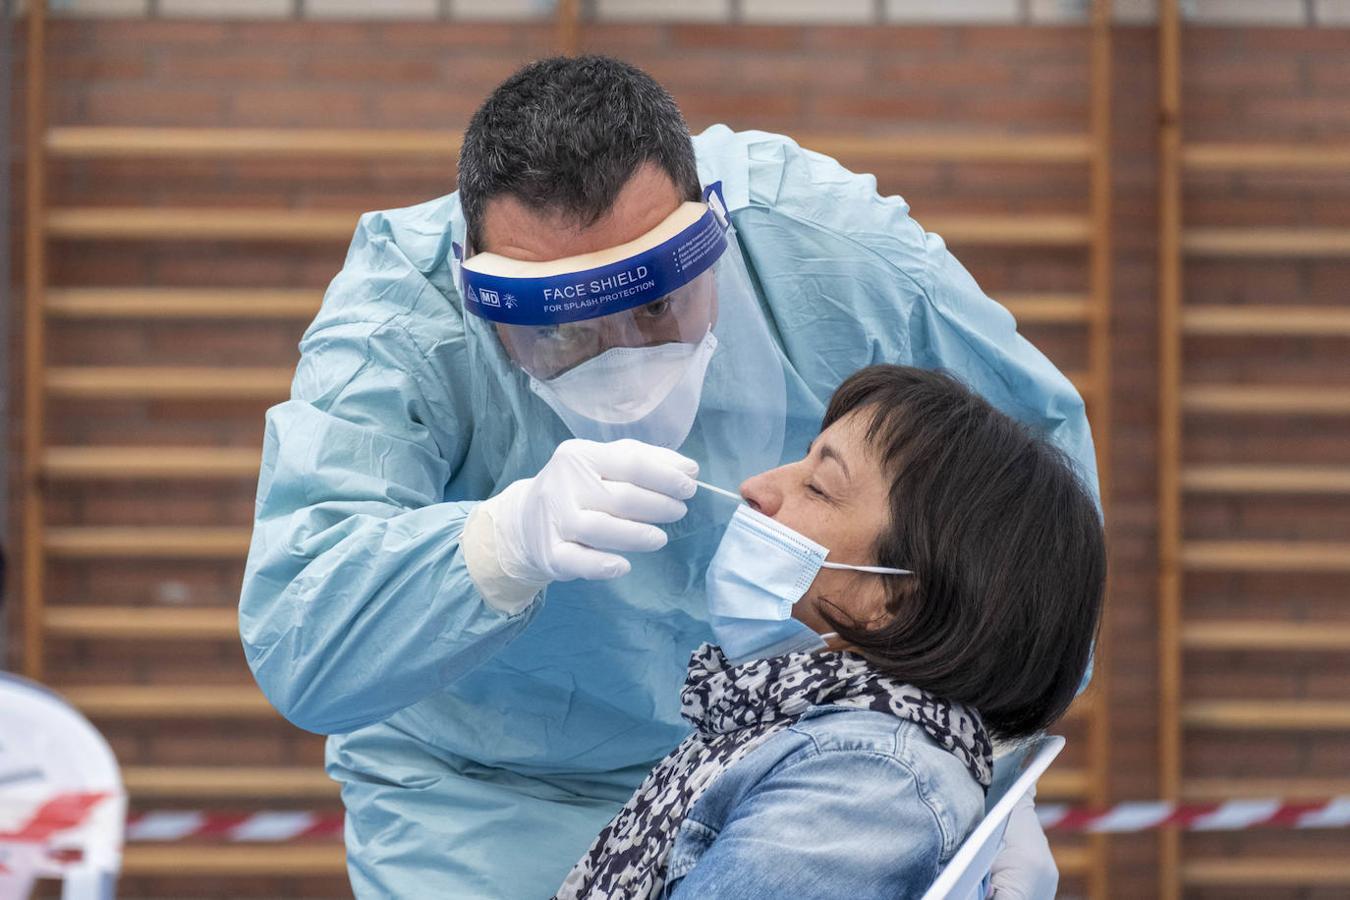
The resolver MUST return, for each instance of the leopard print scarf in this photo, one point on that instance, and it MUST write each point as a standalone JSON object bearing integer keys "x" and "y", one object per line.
{"x": 734, "y": 709}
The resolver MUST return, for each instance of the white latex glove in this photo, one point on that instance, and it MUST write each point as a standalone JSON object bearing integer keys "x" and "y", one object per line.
{"x": 588, "y": 504}
{"x": 1024, "y": 868}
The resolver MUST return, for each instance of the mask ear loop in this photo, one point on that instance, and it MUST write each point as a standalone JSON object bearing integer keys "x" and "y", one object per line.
{"x": 872, "y": 570}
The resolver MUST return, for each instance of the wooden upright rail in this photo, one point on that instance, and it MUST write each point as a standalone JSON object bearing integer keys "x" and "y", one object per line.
{"x": 1099, "y": 353}
{"x": 35, "y": 343}
{"x": 1180, "y": 555}
{"x": 1089, "y": 232}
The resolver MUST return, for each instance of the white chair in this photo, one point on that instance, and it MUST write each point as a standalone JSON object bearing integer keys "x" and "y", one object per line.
{"x": 47, "y": 749}
{"x": 963, "y": 877}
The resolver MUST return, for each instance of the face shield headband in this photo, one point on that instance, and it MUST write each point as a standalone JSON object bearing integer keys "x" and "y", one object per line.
{"x": 516, "y": 292}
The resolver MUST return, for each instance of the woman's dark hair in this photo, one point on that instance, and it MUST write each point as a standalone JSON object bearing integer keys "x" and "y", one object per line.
{"x": 565, "y": 134}
{"x": 1006, "y": 546}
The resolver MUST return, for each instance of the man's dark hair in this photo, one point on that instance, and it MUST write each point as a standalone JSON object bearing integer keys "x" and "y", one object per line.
{"x": 1005, "y": 543}
{"x": 565, "y": 134}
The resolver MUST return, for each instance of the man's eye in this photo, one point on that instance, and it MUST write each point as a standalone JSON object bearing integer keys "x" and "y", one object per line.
{"x": 559, "y": 334}
{"x": 815, "y": 490}
{"x": 656, "y": 308}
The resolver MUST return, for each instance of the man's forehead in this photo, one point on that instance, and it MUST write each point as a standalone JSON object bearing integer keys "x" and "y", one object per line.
{"x": 514, "y": 229}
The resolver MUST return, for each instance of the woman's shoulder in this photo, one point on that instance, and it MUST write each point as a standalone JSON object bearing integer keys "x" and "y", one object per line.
{"x": 873, "y": 779}
{"x": 838, "y": 728}
{"x": 939, "y": 776}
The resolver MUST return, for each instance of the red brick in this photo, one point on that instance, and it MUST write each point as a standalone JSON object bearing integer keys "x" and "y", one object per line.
{"x": 1300, "y": 112}
{"x": 125, "y": 105}
{"x": 887, "y": 112}
{"x": 887, "y": 39}
{"x": 1272, "y": 76}
{"x": 430, "y": 107}
{"x": 623, "y": 39}
{"x": 737, "y": 37}
{"x": 296, "y": 106}
{"x": 151, "y": 32}
{"x": 252, "y": 66}
{"x": 1040, "y": 43}
{"x": 985, "y": 74}
{"x": 1265, "y": 41}
{"x": 481, "y": 71}
{"x": 741, "y": 107}
{"x": 77, "y": 68}
{"x": 292, "y": 34}
{"x": 512, "y": 35}
{"x": 687, "y": 75}
{"x": 805, "y": 73}
{"x": 1328, "y": 74}
{"x": 370, "y": 70}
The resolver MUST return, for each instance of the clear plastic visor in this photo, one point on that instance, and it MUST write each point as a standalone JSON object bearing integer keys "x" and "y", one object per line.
{"x": 547, "y": 351}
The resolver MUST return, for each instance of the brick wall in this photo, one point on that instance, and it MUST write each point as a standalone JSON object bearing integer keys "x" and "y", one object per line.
{"x": 1241, "y": 83}
{"x": 1289, "y": 13}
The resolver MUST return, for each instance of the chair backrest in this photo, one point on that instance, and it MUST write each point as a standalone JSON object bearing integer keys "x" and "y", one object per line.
{"x": 48, "y": 750}
{"x": 963, "y": 877}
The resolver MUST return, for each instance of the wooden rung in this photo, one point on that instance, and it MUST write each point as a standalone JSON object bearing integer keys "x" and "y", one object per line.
{"x": 243, "y": 860}
{"x": 1072, "y": 861}
{"x": 134, "y": 463}
{"x": 170, "y": 701}
{"x": 1266, "y": 242}
{"x": 170, "y": 383}
{"x": 1291, "y": 788}
{"x": 142, "y": 622}
{"x": 1011, "y": 231}
{"x": 1311, "y": 321}
{"x": 224, "y": 143}
{"x": 199, "y": 224}
{"x": 231, "y": 783}
{"x": 129, "y": 542}
{"x": 1063, "y": 784}
{"x": 1267, "y": 715}
{"x": 1309, "y": 400}
{"x": 1286, "y": 479}
{"x": 181, "y": 303}
{"x": 1265, "y": 556}
{"x": 1231, "y": 157}
{"x": 1048, "y": 148}
{"x": 1266, "y": 636}
{"x": 1249, "y": 872}
{"x": 1058, "y": 309}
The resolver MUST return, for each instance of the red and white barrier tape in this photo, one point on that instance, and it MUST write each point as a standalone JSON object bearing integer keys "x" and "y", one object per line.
{"x": 1232, "y": 815}
{"x": 281, "y": 826}
{"x": 264, "y": 827}
{"x": 274, "y": 826}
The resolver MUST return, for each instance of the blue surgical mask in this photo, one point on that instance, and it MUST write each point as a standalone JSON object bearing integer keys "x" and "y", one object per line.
{"x": 759, "y": 572}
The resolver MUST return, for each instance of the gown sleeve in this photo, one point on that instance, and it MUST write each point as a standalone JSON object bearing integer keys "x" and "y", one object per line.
{"x": 356, "y": 601}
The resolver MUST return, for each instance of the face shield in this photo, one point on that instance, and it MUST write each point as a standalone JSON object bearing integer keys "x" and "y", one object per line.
{"x": 660, "y": 339}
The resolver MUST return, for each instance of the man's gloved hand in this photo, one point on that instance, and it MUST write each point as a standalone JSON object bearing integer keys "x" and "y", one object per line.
{"x": 1024, "y": 868}
{"x": 588, "y": 504}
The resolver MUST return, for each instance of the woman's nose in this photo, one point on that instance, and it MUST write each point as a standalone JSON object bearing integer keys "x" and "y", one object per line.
{"x": 762, "y": 494}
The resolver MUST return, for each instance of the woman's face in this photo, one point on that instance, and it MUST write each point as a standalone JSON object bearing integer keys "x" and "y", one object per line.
{"x": 838, "y": 496}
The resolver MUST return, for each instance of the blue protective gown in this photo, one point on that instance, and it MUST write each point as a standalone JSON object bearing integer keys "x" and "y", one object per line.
{"x": 479, "y": 754}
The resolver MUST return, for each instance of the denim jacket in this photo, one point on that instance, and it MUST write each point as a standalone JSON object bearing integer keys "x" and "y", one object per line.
{"x": 845, "y": 803}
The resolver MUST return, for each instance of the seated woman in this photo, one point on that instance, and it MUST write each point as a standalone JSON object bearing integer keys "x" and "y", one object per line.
{"x": 855, "y": 766}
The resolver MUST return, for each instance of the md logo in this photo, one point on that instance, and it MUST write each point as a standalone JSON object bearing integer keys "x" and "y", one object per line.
{"x": 488, "y": 297}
